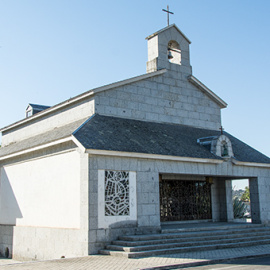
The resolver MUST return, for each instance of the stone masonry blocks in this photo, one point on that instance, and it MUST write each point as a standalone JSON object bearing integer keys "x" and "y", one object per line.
{"x": 174, "y": 100}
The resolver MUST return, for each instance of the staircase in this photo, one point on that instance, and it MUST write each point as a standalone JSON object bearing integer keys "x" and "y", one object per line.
{"x": 189, "y": 239}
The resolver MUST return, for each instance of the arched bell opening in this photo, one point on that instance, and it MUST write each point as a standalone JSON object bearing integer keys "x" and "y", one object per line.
{"x": 174, "y": 52}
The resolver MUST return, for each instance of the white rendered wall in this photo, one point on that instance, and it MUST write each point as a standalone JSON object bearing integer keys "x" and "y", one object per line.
{"x": 56, "y": 119}
{"x": 43, "y": 192}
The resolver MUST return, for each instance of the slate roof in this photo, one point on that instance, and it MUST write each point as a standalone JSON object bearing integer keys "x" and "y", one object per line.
{"x": 53, "y": 135}
{"x": 118, "y": 134}
{"x": 126, "y": 135}
{"x": 38, "y": 107}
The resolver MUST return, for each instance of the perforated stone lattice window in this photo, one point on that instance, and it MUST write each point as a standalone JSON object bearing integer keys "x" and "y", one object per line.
{"x": 117, "y": 195}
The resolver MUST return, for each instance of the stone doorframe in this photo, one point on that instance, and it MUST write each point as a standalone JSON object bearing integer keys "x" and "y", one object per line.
{"x": 222, "y": 201}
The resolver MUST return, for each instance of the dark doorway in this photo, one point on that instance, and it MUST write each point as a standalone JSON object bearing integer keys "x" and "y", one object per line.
{"x": 184, "y": 200}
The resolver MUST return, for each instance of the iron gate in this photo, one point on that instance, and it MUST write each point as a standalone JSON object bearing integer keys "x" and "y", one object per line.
{"x": 184, "y": 200}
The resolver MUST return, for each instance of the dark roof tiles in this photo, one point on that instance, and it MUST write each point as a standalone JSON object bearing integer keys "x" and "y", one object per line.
{"x": 119, "y": 134}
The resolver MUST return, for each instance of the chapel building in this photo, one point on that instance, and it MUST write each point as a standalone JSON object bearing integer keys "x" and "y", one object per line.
{"x": 124, "y": 159}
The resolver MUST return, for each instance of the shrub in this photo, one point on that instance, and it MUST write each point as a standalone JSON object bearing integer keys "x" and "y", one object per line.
{"x": 239, "y": 208}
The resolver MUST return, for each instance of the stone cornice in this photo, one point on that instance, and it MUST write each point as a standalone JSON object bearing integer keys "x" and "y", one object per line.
{"x": 250, "y": 164}
{"x": 151, "y": 156}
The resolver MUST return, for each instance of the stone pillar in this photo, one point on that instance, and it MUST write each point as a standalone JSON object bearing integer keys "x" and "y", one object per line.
{"x": 215, "y": 201}
{"x": 221, "y": 195}
{"x": 229, "y": 202}
{"x": 254, "y": 200}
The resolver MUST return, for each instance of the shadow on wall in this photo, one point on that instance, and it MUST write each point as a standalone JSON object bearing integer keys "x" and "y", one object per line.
{"x": 9, "y": 212}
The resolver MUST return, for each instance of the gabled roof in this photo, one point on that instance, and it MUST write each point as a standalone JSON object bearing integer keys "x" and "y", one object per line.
{"x": 125, "y": 135}
{"x": 166, "y": 28}
{"x": 37, "y": 107}
{"x": 83, "y": 96}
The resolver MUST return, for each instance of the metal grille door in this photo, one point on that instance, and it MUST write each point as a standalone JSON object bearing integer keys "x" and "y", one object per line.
{"x": 184, "y": 200}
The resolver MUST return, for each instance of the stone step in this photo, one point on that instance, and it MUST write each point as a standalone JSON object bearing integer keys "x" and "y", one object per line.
{"x": 197, "y": 238}
{"x": 183, "y": 249}
{"x": 212, "y": 228}
{"x": 189, "y": 234}
{"x": 185, "y": 244}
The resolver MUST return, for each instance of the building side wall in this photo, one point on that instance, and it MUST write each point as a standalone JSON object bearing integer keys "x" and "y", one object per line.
{"x": 147, "y": 187}
{"x": 56, "y": 119}
{"x": 44, "y": 204}
{"x": 42, "y": 192}
{"x": 169, "y": 98}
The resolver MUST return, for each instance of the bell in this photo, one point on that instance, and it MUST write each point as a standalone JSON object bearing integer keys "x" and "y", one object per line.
{"x": 170, "y": 54}
{"x": 225, "y": 151}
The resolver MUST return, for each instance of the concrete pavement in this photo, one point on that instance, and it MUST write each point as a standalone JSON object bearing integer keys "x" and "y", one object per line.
{"x": 170, "y": 261}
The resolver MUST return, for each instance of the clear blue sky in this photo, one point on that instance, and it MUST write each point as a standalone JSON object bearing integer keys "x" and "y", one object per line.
{"x": 56, "y": 49}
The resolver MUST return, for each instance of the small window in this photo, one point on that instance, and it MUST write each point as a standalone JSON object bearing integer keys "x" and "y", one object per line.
{"x": 29, "y": 113}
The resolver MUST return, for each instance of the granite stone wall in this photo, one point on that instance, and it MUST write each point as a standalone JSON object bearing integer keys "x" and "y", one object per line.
{"x": 168, "y": 98}
{"x": 148, "y": 214}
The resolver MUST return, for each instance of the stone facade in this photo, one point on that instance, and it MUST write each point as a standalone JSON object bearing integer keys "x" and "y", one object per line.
{"x": 168, "y": 98}
{"x": 148, "y": 208}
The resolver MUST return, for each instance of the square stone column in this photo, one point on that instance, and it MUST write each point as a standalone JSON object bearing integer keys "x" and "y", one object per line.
{"x": 222, "y": 207}
{"x": 215, "y": 201}
{"x": 229, "y": 201}
{"x": 254, "y": 200}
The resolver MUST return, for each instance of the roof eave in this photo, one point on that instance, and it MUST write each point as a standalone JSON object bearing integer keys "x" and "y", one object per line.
{"x": 250, "y": 164}
{"x": 207, "y": 91}
{"x": 36, "y": 148}
{"x": 152, "y": 156}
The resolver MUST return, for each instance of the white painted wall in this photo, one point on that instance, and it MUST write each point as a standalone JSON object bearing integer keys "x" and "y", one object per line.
{"x": 43, "y": 192}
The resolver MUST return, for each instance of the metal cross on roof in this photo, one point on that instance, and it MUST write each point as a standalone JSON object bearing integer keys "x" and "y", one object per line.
{"x": 168, "y": 14}
{"x": 221, "y": 130}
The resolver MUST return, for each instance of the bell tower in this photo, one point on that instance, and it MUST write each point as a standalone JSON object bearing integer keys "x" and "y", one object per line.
{"x": 169, "y": 49}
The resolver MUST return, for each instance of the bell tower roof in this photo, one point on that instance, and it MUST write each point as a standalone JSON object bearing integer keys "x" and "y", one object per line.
{"x": 165, "y": 29}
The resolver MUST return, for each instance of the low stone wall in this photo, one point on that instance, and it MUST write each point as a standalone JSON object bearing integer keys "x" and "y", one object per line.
{"x": 6, "y": 240}
{"x": 39, "y": 243}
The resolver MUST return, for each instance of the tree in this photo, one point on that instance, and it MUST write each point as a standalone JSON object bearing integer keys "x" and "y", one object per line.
{"x": 246, "y": 195}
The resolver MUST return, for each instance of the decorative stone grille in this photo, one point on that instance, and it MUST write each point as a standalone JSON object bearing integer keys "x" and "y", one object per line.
{"x": 117, "y": 195}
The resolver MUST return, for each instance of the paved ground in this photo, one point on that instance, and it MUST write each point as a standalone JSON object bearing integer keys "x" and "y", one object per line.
{"x": 262, "y": 263}
{"x": 103, "y": 262}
